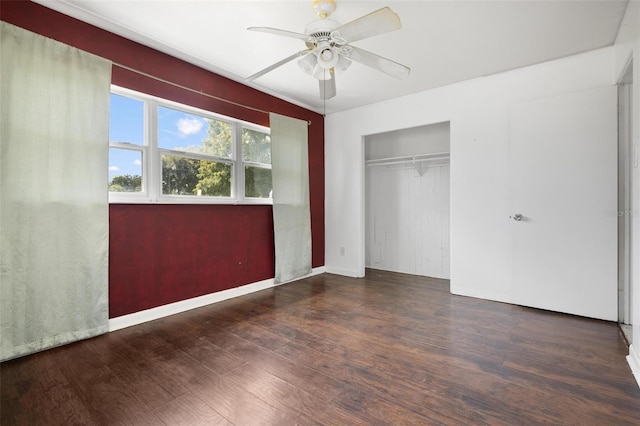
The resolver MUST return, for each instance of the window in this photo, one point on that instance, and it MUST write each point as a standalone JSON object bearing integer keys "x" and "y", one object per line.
{"x": 161, "y": 151}
{"x": 256, "y": 157}
{"x": 127, "y": 149}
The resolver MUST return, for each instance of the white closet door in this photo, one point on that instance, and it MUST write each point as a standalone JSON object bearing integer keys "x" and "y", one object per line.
{"x": 564, "y": 183}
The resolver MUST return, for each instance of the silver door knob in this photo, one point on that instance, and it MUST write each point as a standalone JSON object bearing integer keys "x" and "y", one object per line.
{"x": 517, "y": 217}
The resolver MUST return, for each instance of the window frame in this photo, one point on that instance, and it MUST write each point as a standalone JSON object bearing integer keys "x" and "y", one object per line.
{"x": 143, "y": 195}
{"x": 152, "y": 156}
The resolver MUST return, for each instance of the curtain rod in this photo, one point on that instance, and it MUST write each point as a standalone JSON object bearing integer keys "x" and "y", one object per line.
{"x": 199, "y": 92}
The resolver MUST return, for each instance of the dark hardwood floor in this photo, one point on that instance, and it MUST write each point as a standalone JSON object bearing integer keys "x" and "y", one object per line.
{"x": 388, "y": 349}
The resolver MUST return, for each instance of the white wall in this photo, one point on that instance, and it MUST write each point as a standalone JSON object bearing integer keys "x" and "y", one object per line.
{"x": 479, "y": 114}
{"x": 627, "y": 46}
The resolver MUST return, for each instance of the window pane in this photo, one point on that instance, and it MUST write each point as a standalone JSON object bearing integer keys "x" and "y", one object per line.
{"x": 186, "y": 132}
{"x": 257, "y": 182}
{"x": 256, "y": 146}
{"x": 125, "y": 170}
{"x": 187, "y": 176}
{"x": 126, "y": 120}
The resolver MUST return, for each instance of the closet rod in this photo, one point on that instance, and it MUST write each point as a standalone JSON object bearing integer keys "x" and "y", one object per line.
{"x": 199, "y": 92}
{"x": 438, "y": 157}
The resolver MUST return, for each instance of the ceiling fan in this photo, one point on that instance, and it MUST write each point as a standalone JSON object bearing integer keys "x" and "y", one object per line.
{"x": 328, "y": 47}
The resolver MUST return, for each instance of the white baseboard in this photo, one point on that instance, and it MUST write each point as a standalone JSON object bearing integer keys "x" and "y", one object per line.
{"x": 634, "y": 362}
{"x": 472, "y": 292}
{"x": 196, "y": 302}
{"x": 344, "y": 272}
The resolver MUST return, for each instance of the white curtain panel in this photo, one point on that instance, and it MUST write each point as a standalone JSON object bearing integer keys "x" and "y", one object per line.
{"x": 291, "y": 215}
{"x": 54, "y": 131}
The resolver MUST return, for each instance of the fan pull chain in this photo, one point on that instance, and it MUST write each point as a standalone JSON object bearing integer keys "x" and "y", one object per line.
{"x": 324, "y": 96}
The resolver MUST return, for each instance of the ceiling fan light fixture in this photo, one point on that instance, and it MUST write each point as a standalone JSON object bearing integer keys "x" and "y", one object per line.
{"x": 327, "y": 55}
{"x": 308, "y": 63}
{"x": 343, "y": 63}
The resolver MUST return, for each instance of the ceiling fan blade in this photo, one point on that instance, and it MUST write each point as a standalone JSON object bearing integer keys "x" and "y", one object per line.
{"x": 328, "y": 87}
{"x": 379, "y": 63}
{"x": 379, "y": 22}
{"x": 278, "y": 64}
{"x": 276, "y": 31}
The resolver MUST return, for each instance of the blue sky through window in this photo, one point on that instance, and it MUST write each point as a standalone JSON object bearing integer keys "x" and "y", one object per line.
{"x": 124, "y": 162}
{"x": 176, "y": 130}
{"x": 126, "y": 125}
{"x": 126, "y": 120}
{"x": 180, "y": 130}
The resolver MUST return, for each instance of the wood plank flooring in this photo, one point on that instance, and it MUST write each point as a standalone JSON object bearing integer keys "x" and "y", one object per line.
{"x": 387, "y": 349}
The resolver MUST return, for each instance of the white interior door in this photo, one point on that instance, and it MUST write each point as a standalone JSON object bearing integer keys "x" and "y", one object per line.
{"x": 563, "y": 162}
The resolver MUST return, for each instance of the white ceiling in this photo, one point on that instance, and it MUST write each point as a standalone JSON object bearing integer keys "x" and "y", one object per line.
{"x": 442, "y": 41}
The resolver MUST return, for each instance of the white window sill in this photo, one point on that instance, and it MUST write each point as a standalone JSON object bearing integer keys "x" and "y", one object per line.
{"x": 187, "y": 200}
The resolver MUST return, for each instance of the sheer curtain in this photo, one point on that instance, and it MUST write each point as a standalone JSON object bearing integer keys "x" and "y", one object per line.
{"x": 291, "y": 216}
{"x": 54, "y": 130}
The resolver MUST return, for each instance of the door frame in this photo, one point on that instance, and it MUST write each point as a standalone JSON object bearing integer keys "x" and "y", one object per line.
{"x": 627, "y": 161}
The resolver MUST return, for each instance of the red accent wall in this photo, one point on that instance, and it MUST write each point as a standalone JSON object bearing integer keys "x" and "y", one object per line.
{"x": 160, "y": 254}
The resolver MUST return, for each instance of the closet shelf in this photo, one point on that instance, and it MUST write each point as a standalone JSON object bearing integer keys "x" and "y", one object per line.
{"x": 418, "y": 161}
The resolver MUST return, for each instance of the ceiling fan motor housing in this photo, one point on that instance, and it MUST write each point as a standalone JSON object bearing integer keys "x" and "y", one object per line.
{"x": 321, "y": 29}
{"x": 322, "y": 44}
